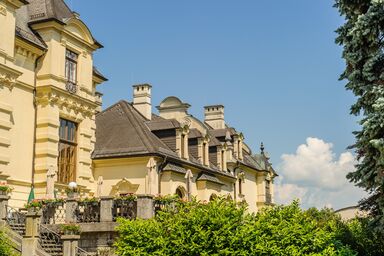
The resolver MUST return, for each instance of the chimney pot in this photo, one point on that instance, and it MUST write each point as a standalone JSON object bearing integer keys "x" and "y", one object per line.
{"x": 214, "y": 116}
{"x": 142, "y": 99}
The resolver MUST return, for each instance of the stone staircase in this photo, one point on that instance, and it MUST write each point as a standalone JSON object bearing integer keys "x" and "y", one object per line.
{"x": 18, "y": 228}
{"x": 50, "y": 241}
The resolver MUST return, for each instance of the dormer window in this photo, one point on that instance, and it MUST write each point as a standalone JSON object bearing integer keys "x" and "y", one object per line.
{"x": 182, "y": 142}
{"x": 71, "y": 70}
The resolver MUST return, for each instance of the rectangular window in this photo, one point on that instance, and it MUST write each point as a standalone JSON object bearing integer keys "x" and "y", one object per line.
{"x": 67, "y": 152}
{"x": 71, "y": 66}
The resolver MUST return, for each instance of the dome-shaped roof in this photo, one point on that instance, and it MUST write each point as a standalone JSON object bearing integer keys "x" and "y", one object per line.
{"x": 172, "y": 102}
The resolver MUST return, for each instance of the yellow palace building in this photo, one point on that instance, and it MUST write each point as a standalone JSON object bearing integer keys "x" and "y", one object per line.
{"x": 52, "y": 129}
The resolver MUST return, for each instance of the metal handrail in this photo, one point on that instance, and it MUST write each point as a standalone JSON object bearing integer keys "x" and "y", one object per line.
{"x": 14, "y": 216}
{"x": 49, "y": 235}
{"x": 82, "y": 252}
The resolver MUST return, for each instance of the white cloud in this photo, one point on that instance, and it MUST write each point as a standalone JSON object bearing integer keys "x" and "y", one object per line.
{"x": 317, "y": 177}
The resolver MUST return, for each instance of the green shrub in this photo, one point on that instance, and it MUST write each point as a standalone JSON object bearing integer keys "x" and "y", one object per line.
{"x": 223, "y": 228}
{"x": 5, "y": 247}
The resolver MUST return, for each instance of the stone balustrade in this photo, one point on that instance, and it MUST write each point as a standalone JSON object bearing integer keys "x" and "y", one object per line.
{"x": 103, "y": 209}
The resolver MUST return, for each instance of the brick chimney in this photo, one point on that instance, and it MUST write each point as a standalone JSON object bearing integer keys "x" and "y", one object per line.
{"x": 142, "y": 99}
{"x": 214, "y": 116}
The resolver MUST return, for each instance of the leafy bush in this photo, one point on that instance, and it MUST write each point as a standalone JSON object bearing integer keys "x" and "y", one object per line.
{"x": 223, "y": 228}
{"x": 5, "y": 248}
{"x": 362, "y": 237}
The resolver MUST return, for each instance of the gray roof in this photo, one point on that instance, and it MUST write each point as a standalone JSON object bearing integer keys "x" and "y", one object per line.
{"x": 194, "y": 133}
{"x": 222, "y": 132}
{"x": 174, "y": 168}
{"x": 209, "y": 177}
{"x": 97, "y": 73}
{"x": 121, "y": 132}
{"x": 163, "y": 124}
{"x": 39, "y": 11}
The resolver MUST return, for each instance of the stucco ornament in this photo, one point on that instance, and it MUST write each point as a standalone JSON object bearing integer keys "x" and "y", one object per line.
{"x": 51, "y": 178}
{"x": 7, "y": 80}
{"x": 151, "y": 167}
{"x": 100, "y": 182}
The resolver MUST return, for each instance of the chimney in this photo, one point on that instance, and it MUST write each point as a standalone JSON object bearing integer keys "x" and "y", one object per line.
{"x": 142, "y": 99}
{"x": 214, "y": 116}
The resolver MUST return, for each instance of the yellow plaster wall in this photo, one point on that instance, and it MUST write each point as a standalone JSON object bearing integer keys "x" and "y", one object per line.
{"x": 115, "y": 170}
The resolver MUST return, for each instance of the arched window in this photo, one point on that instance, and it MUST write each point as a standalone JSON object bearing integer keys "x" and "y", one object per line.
{"x": 212, "y": 197}
{"x": 180, "y": 192}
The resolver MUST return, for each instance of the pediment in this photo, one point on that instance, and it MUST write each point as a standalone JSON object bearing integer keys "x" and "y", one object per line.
{"x": 78, "y": 29}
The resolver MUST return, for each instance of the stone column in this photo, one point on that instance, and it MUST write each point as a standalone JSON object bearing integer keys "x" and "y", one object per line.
{"x": 200, "y": 150}
{"x": 106, "y": 205}
{"x": 70, "y": 210}
{"x": 224, "y": 156}
{"x": 186, "y": 151}
{"x": 3, "y": 206}
{"x": 31, "y": 237}
{"x": 178, "y": 142}
{"x": 236, "y": 146}
{"x": 70, "y": 244}
{"x": 145, "y": 209}
{"x": 206, "y": 152}
{"x": 241, "y": 149}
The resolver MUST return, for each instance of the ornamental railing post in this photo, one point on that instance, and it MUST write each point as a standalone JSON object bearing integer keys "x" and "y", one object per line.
{"x": 71, "y": 210}
{"x": 106, "y": 205}
{"x": 3, "y": 206}
{"x": 145, "y": 208}
{"x": 70, "y": 244}
{"x": 31, "y": 237}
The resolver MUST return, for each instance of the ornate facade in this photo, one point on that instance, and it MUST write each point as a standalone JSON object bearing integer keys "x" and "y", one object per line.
{"x": 49, "y": 111}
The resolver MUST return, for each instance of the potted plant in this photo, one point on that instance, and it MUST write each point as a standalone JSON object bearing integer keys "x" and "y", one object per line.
{"x": 34, "y": 206}
{"x": 70, "y": 229}
{"x": 91, "y": 201}
{"x": 5, "y": 189}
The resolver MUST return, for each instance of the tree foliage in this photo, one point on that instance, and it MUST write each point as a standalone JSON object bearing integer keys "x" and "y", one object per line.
{"x": 222, "y": 228}
{"x": 362, "y": 38}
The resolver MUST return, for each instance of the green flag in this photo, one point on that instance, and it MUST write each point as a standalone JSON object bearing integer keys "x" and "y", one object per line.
{"x": 31, "y": 195}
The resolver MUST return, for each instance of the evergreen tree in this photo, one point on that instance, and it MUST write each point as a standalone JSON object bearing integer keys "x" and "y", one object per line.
{"x": 362, "y": 38}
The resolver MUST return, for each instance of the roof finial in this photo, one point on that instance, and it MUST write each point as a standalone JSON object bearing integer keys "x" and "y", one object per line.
{"x": 262, "y": 148}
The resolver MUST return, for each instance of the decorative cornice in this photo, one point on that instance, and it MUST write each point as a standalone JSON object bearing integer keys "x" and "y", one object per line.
{"x": 27, "y": 50}
{"x": 3, "y": 10}
{"x": 63, "y": 99}
{"x": 8, "y": 76}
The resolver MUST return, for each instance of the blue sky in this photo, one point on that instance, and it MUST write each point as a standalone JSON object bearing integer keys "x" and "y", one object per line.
{"x": 273, "y": 64}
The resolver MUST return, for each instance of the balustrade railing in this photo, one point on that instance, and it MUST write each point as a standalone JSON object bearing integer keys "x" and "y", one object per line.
{"x": 88, "y": 212}
{"x": 15, "y": 219}
{"x": 124, "y": 209}
{"x": 54, "y": 213}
